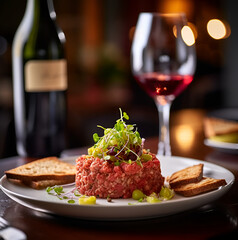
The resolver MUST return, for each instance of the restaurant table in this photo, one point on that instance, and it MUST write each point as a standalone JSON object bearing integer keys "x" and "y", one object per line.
{"x": 215, "y": 220}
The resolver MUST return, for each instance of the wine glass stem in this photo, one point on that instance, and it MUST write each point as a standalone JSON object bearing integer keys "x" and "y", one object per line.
{"x": 164, "y": 136}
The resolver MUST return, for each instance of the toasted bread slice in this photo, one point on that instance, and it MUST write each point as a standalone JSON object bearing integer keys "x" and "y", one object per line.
{"x": 216, "y": 126}
{"x": 50, "y": 168}
{"x": 187, "y": 175}
{"x": 42, "y": 184}
{"x": 205, "y": 185}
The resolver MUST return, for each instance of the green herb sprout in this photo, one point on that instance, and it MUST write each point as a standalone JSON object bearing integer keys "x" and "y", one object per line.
{"x": 58, "y": 191}
{"x": 122, "y": 143}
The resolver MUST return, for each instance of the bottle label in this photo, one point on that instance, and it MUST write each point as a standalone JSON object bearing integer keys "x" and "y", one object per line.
{"x": 45, "y": 75}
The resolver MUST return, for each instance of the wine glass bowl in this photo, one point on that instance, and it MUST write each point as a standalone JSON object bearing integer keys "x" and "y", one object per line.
{"x": 163, "y": 64}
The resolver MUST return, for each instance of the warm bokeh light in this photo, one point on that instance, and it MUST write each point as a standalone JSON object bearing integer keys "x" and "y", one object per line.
{"x": 187, "y": 35}
{"x": 218, "y": 29}
{"x": 191, "y": 26}
{"x": 184, "y": 136}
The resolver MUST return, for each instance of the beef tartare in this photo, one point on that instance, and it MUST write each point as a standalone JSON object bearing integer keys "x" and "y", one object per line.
{"x": 117, "y": 165}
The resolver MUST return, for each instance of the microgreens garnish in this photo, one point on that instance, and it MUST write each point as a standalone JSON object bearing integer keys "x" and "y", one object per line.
{"x": 122, "y": 143}
{"x": 58, "y": 191}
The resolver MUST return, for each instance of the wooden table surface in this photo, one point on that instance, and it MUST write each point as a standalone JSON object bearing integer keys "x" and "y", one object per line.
{"x": 216, "y": 220}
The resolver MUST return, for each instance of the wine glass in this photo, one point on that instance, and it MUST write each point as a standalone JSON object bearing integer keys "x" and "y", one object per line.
{"x": 163, "y": 63}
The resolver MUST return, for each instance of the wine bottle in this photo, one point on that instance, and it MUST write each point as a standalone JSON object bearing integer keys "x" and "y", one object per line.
{"x": 39, "y": 82}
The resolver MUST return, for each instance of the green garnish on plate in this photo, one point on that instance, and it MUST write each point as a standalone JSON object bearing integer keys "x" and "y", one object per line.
{"x": 122, "y": 143}
{"x": 165, "y": 194}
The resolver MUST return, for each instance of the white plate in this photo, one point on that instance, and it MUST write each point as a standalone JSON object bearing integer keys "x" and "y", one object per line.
{"x": 222, "y": 146}
{"x": 119, "y": 209}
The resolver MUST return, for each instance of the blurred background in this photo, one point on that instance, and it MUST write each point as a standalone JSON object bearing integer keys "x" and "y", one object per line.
{"x": 99, "y": 35}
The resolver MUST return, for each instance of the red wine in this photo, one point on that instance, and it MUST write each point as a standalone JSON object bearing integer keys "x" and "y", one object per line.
{"x": 39, "y": 82}
{"x": 156, "y": 84}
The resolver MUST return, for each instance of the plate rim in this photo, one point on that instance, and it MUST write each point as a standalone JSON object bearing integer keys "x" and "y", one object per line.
{"x": 221, "y": 145}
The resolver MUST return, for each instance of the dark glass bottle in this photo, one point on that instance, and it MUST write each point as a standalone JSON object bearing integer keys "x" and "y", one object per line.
{"x": 39, "y": 82}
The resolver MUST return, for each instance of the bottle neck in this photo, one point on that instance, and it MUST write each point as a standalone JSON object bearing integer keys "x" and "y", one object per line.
{"x": 42, "y": 9}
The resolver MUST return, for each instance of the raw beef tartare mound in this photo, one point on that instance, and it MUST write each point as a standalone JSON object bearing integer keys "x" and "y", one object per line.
{"x": 118, "y": 164}
{"x": 97, "y": 177}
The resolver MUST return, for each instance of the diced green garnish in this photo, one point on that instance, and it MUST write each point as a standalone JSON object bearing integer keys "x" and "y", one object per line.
{"x": 153, "y": 198}
{"x": 146, "y": 157}
{"x": 71, "y": 201}
{"x": 166, "y": 193}
{"x": 87, "y": 200}
{"x": 137, "y": 194}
